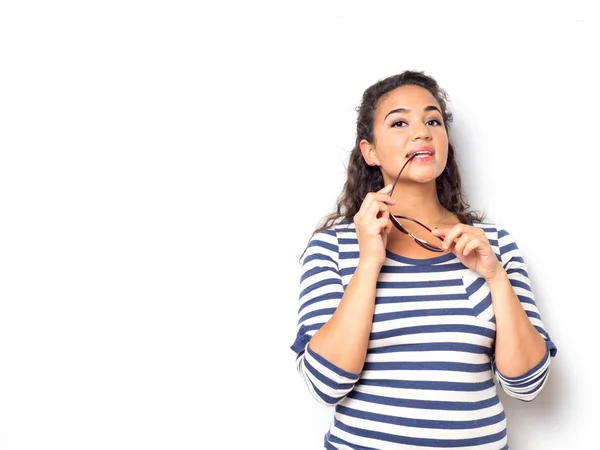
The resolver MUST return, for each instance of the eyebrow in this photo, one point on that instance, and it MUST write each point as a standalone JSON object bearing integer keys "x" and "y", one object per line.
{"x": 404, "y": 110}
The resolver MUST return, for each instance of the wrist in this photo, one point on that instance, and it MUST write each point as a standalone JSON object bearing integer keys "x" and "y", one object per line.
{"x": 369, "y": 266}
{"x": 500, "y": 276}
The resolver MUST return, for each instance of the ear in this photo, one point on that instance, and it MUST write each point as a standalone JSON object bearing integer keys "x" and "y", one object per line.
{"x": 369, "y": 153}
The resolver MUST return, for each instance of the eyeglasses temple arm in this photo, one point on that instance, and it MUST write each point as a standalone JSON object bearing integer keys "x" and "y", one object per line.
{"x": 399, "y": 173}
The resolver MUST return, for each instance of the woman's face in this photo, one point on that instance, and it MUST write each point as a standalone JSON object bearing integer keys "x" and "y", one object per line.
{"x": 408, "y": 119}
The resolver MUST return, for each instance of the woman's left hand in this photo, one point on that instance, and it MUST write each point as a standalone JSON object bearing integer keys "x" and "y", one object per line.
{"x": 471, "y": 247}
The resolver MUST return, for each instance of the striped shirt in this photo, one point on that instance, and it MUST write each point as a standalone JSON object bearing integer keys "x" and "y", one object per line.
{"x": 428, "y": 377}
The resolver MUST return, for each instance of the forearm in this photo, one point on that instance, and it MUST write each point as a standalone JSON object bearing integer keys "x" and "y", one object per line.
{"x": 519, "y": 346}
{"x": 344, "y": 339}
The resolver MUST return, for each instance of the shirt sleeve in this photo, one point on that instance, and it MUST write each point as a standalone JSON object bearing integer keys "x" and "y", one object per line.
{"x": 321, "y": 290}
{"x": 527, "y": 386}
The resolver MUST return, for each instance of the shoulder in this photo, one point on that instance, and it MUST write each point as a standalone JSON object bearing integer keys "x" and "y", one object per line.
{"x": 325, "y": 244}
{"x": 501, "y": 240}
{"x": 489, "y": 228}
{"x": 337, "y": 231}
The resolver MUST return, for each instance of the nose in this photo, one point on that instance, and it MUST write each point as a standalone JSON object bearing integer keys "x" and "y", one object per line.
{"x": 420, "y": 131}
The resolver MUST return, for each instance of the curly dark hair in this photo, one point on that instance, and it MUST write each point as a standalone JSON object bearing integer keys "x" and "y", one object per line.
{"x": 363, "y": 178}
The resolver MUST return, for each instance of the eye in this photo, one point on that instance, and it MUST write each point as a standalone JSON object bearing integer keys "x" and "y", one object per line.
{"x": 434, "y": 122}
{"x": 399, "y": 123}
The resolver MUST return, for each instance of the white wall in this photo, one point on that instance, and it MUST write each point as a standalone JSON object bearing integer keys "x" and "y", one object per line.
{"x": 163, "y": 164}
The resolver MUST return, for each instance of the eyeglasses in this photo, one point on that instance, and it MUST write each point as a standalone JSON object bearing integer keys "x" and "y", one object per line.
{"x": 400, "y": 227}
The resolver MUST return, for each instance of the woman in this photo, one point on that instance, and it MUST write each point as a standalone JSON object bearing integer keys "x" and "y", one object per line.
{"x": 409, "y": 302}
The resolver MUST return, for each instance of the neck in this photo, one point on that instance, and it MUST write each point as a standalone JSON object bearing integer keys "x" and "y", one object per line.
{"x": 418, "y": 201}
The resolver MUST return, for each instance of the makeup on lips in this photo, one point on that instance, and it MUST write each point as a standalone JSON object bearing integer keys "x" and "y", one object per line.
{"x": 421, "y": 154}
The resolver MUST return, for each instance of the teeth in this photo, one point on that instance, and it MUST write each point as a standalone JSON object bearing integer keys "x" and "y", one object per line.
{"x": 423, "y": 154}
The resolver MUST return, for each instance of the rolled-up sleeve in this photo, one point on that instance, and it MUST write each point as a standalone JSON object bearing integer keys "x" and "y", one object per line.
{"x": 528, "y": 385}
{"x": 321, "y": 290}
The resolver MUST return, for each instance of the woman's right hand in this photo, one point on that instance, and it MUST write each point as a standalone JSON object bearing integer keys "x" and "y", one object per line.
{"x": 373, "y": 226}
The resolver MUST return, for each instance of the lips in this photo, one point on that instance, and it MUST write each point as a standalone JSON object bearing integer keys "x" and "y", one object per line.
{"x": 424, "y": 151}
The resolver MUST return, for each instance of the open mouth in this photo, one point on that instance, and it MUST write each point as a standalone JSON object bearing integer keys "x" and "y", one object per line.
{"x": 421, "y": 155}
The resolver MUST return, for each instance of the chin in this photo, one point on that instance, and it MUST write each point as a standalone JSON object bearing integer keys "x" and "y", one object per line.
{"x": 427, "y": 176}
{"x": 424, "y": 180}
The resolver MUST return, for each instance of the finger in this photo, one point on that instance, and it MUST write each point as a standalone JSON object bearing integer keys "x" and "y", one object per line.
{"x": 383, "y": 223}
{"x": 472, "y": 245}
{"x": 462, "y": 242}
{"x": 378, "y": 197}
{"x": 453, "y": 234}
{"x": 386, "y": 189}
{"x": 386, "y": 215}
{"x": 373, "y": 209}
{"x": 440, "y": 232}
{"x": 376, "y": 227}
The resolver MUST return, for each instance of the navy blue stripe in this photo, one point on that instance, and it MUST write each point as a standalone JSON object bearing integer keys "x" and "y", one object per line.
{"x": 457, "y": 328}
{"x": 422, "y": 423}
{"x": 320, "y": 298}
{"x": 524, "y": 299}
{"x": 326, "y": 381}
{"x": 317, "y": 243}
{"x": 424, "y": 442}
{"x": 317, "y": 312}
{"x": 533, "y": 314}
{"x": 326, "y": 398}
{"x": 518, "y": 380}
{"x": 432, "y": 347}
{"x": 483, "y": 305}
{"x": 514, "y": 259}
{"x": 474, "y": 287}
{"x": 513, "y": 385}
{"x": 345, "y": 271}
{"x": 302, "y": 338}
{"x": 427, "y": 365}
{"x": 329, "y": 232}
{"x": 518, "y": 283}
{"x": 317, "y": 270}
{"x": 443, "y": 258}
{"x": 332, "y": 367}
{"x": 319, "y": 284}
{"x": 313, "y": 327}
{"x": 430, "y": 385}
{"x": 516, "y": 270}
{"x": 502, "y": 233}
{"x": 382, "y": 317}
{"x": 331, "y": 438}
{"x": 425, "y": 404}
{"x": 318, "y": 257}
{"x": 508, "y": 247}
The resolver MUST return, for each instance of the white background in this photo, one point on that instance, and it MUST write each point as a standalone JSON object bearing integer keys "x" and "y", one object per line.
{"x": 164, "y": 163}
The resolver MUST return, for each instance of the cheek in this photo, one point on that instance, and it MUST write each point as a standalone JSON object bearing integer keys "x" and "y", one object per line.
{"x": 441, "y": 146}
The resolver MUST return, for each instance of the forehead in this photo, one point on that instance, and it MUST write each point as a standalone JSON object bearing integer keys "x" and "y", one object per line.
{"x": 414, "y": 98}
